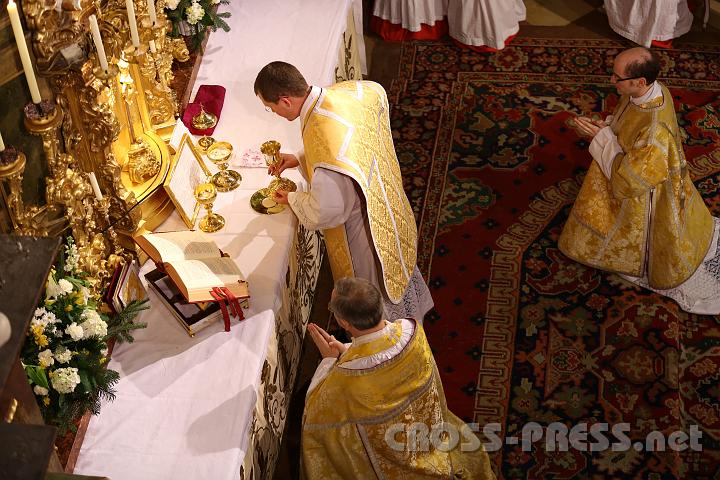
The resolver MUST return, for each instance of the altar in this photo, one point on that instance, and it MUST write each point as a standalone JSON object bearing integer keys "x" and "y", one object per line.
{"x": 214, "y": 406}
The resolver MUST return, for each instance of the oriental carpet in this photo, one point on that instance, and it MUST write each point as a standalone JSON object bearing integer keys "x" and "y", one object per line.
{"x": 492, "y": 165}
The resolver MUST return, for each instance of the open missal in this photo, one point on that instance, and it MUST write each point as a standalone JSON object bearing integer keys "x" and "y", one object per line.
{"x": 194, "y": 263}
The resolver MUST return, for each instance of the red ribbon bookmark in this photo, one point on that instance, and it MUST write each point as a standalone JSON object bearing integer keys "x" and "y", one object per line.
{"x": 221, "y": 294}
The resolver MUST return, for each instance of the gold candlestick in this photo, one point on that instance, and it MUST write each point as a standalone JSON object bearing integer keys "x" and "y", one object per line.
{"x": 205, "y": 194}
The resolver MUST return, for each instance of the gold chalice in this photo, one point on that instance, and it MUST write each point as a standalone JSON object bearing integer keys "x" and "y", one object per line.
{"x": 205, "y": 194}
{"x": 225, "y": 180}
{"x": 262, "y": 201}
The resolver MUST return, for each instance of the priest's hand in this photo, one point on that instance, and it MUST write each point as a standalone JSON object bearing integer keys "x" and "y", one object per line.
{"x": 588, "y": 126}
{"x": 287, "y": 160}
{"x": 327, "y": 344}
{"x": 281, "y": 196}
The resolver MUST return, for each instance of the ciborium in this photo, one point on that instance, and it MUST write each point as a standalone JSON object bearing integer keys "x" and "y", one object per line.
{"x": 205, "y": 194}
{"x": 204, "y": 120}
{"x": 225, "y": 180}
{"x": 263, "y": 200}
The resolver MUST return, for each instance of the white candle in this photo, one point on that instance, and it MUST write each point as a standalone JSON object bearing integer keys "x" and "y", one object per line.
{"x": 151, "y": 11}
{"x": 23, "y": 50}
{"x": 98, "y": 42}
{"x": 2, "y": 144}
{"x": 153, "y": 48}
{"x": 95, "y": 186}
{"x": 133, "y": 24}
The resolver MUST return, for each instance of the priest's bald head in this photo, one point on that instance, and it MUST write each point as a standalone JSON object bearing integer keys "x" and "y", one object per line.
{"x": 634, "y": 71}
{"x": 282, "y": 89}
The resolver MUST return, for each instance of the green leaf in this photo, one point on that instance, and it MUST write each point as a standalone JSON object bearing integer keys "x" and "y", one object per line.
{"x": 37, "y": 375}
{"x": 85, "y": 380}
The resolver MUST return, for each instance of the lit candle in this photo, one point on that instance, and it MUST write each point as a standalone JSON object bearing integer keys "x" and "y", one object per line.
{"x": 98, "y": 42}
{"x": 2, "y": 144}
{"x": 151, "y": 11}
{"x": 153, "y": 48}
{"x": 133, "y": 24}
{"x": 95, "y": 186}
{"x": 23, "y": 50}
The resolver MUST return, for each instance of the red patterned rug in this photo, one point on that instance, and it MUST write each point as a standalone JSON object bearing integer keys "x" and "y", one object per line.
{"x": 521, "y": 333}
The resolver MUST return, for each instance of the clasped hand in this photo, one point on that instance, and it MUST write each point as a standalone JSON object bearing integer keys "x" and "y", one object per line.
{"x": 326, "y": 343}
{"x": 588, "y": 126}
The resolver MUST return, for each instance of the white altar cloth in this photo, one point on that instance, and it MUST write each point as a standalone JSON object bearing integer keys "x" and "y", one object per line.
{"x": 184, "y": 405}
{"x": 306, "y": 34}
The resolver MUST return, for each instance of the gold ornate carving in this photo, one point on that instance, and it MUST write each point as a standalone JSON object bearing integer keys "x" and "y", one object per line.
{"x": 103, "y": 122}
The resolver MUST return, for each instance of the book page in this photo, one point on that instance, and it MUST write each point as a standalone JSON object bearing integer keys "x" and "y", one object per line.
{"x": 204, "y": 274}
{"x": 183, "y": 245}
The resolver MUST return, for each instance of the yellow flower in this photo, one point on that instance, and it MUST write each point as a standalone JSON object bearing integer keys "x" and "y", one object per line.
{"x": 41, "y": 340}
{"x": 49, "y": 302}
{"x": 46, "y": 401}
{"x": 79, "y": 300}
{"x": 68, "y": 308}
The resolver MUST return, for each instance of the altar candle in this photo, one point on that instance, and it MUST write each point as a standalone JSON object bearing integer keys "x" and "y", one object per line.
{"x": 95, "y": 29}
{"x": 23, "y": 50}
{"x": 95, "y": 186}
{"x": 133, "y": 24}
{"x": 2, "y": 144}
{"x": 153, "y": 48}
{"x": 151, "y": 11}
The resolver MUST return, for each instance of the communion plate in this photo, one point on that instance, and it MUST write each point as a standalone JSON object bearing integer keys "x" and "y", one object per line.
{"x": 261, "y": 203}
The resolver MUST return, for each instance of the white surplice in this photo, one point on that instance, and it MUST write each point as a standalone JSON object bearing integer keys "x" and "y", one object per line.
{"x": 643, "y": 21}
{"x": 411, "y": 14}
{"x": 701, "y": 292}
{"x": 484, "y": 22}
{"x": 333, "y": 199}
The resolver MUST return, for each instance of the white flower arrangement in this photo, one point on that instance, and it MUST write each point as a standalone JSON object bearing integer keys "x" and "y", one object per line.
{"x": 65, "y": 354}
{"x": 75, "y": 331}
{"x": 64, "y": 380}
{"x": 192, "y": 18}
{"x": 194, "y": 13}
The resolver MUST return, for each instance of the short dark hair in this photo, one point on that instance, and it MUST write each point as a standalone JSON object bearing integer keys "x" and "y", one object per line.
{"x": 279, "y": 79}
{"x": 358, "y": 302}
{"x": 647, "y": 67}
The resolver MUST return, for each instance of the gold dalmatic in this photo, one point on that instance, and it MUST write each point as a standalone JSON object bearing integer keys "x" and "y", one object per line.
{"x": 648, "y": 218}
{"x": 348, "y": 131}
{"x": 356, "y": 421}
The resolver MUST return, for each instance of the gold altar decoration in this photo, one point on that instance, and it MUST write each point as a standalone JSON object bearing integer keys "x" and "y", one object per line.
{"x": 112, "y": 122}
{"x": 205, "y": 194}
{"x": 225, "y": 180}
{"x": 262, "y": 201}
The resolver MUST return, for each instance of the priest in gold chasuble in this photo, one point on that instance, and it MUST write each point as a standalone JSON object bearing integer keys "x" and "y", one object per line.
{"x": 638, "y": 213}
{"x": 376, "y": 408}
{"x": 356, "y": 194}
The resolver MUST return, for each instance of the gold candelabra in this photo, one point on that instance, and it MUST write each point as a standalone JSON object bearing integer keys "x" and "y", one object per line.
{"x": 81, "y": 129}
